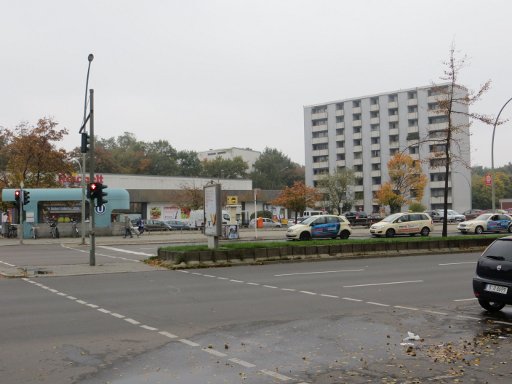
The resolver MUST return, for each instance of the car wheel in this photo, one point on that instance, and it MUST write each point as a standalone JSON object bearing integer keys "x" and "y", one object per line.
{"x": 491, "y": 306}
{"x": 479, "y": 230}
{"x": 344, "y": 235}
{"x": 425, "y": 231}
{"x": 390, "y": 232}
{"x": 305, "y": 236}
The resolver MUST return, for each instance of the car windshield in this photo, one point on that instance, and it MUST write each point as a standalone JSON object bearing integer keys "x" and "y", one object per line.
{"x": 484, "y": 217}
{"x": 309, "y": 220}
{"x": 500, "y": 249}
{"x": 392, "y": 218}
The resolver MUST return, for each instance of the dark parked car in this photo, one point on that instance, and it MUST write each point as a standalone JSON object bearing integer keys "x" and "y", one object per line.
{"x": 156, "y": 225}
{"x": 472, "y": 213}
{"x": 176, "y": 224}
{"x": 492, "y": 283}
{"x": 435, "y": 215}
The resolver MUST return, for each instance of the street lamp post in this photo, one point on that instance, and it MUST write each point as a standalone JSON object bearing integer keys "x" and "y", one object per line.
{"x": 82, "y": 185}
{"x": 493, "y": 191}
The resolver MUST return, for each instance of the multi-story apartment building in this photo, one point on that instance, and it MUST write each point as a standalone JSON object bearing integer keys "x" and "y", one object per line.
{"x": 364, "y": 133}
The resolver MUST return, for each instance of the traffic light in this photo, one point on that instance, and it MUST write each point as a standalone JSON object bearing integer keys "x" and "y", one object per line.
{"x": 17, "y": 197}
{"x": 85, "y": 143}
{"x": 100, "y": 195}
{"x": 26, "y": 197}
{"x": 95, "y": 192}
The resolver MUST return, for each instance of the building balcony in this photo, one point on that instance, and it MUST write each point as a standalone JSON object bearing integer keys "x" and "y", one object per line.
{"x": 394, "y": 144}
{"x": 340, "y": 112}
{"x": 439, "y": 184}
{"x": 358, "y": 175}
{"x": 375, "y": 147}
{"x": 357, "y": 136}
{"x": 412, "y": 102}
{"x": 412, "y": 115}
{"x": 436, "y": 98}
{"x": 374, "y": 107}
{"x": 320, "y": 140}
{"x": 413, "y": 129}
{"x": 438, "y": 126}
{"x": 374, "y": 120}
{"x": 340, "y": 125}
{"x": 340, "y": 150}
{"x": 393, "y": 131}
{"x": 356, "y": 110}
{"x": 375, "y": 173}
{"x": 393, "y": 118}
{"x": 375, "y": 134}
{"x": 376, "y": 187}
{"x": 356, "y": 123}
{"x": 341, "y": 163}
{"x": 357, "y": 148}
{"x": 320, "y": 115}
{"x": 318, "y": 128}
{"x": 358, "y": 161}
{"x": 320, "y": 152}
{"x": 375, "y": 160}
{"x": 321, "y": 164}
{"x": 393, "y": 104}
{"x": 340, "y": 137}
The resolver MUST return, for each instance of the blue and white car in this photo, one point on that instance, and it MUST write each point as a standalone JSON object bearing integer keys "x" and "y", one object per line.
{"x": 320, "y": 226}
{"x": 487, "y": 222}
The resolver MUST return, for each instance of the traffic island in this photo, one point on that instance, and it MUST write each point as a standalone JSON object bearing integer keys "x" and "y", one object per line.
{"x": 300, "y": 251}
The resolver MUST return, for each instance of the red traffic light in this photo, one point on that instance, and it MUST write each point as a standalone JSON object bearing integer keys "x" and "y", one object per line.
{"x": 93, "y": 186}
{"x": 17, "y": 194}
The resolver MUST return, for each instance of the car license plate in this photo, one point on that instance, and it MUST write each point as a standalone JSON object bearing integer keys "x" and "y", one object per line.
{"x": 496, "y": 288}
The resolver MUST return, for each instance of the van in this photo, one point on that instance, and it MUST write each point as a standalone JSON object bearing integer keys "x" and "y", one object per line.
{"x": 196, "y": 218}
{"x": 403, "y": 224}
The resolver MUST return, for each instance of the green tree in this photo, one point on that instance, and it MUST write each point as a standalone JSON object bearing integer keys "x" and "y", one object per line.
{"x": 274, "y": 170}
{"x": 220, "y": 168}
{"x": 336, "y": 187}
{"x": 188, "y": 164}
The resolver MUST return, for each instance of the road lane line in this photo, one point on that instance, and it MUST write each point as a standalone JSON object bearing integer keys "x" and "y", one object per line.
{"x": 71, "y": 297}
{"x": 330, "y": 296}
{"x": 188, "y": 342}
{"x": 93, "y": 305}
{"x": 222, "y": 278}
{"x": 319, "y": 272}
{"x": 471, "y": 299}
{"x": 236, "y": 281}
{"x": 103, "y": 310}
{"x": 408, "y": 308}
{"x": 81, "y": 302}
{"x": 389, "y": 283}
{"x": 351, "y": 299}
{"x": 270, "y": 286}
{"x": 255, "y": 284}
{"x": 125, "y": 251}
{"x": 119, "y": 316}
{"x": 308, "y": 293}
{"x": 214, "y": 352}
{"x": 379, "y": 304}
{"x": 131, "y": 321}
{"x": 468, "y": 317}
{"x": 289, "y": 289}
{"x": 275, "y": 375}
{"x": 462, "y": 262}
{"x": 168, "y": 334}
{"x": 241, "y": 362}
{"x": 149, "y": 328}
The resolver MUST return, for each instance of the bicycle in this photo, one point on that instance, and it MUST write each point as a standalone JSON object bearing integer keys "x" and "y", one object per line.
{"x": 12, "y": 231}
{"x": 74, "y": 229}
{"x": 54, "y": 231}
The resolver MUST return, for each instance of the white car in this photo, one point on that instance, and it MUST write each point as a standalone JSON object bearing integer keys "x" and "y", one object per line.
{"x": 487, "y": 222}
{"x": 267, "y": 223}
{"x": 320, "y": 226}
{"x": 451, "y": 215}
{"x": 403, "y": 224}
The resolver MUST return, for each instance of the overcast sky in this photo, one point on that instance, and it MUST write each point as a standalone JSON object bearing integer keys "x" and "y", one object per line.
{"x": 235, "y": 73}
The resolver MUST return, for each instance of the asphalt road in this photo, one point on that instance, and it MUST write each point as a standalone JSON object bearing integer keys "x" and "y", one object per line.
{"x": 337, "y": 321}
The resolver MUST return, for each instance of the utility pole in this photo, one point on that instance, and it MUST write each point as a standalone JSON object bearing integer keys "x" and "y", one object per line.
{"x": 92, "y": 214}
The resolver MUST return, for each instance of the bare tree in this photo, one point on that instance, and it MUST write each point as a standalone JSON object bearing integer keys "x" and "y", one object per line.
{"x": 453, "y": 102}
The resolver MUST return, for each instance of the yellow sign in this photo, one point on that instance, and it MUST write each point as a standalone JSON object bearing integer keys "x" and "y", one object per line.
{"x": 232, "y": 200}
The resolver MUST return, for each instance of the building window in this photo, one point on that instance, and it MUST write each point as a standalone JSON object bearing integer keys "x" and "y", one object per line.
{"x": 340, "y": 131}
{"x": 433, "y": 106}
{"x": 340, "y": 119}
{"x": 393, "y": 151}
{"x": 437, "y": 177}
{"x": 393, "y": 125}
{"x": 319, "y": 122}
{"x": 437, "y": 148}
{"x": 357, "y": 142}
{"x": 359, "y": 195}
{"x": 412, "y": 108}
{"x": 411, "y": 95}
{"x": 413, "y": 136}
{"x": 376, "y": 180}
{"x": 339, "y": 107}
{"x": 376, "y": 167}
{"x": 414, "y": 150}
{"x": 340, "y": 156}
{"x": 413, "y": 122}
{"x": 318, "y": 134}
{"x": 374, "y": 114}
{"x": 376, "y": 153}
{"x": 393, "y": 138}
{"x": 319, "y": 109}
{"x": 357, "y": 130}
{"x": 317, "y": 147}
{"x": 358, "y": 155}
{"x": 356, "y": 103}
{"x": 375, "y": 140}
{"x": 392, "y": 111}
{"x": 358, "y": 168}
{"x": 375, "y": 127}
{"x": 356, "y": 116}
{"x": 392, "y": 98}
{"x": 340, "y": 144}
{"x": 438, "y": 119}
{"x": 320, "y": 159}
{"x": 374, "y": 101}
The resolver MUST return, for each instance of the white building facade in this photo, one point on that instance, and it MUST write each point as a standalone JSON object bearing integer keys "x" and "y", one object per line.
{"x": 247, "y": 155}
{"x": 363, "y": 133}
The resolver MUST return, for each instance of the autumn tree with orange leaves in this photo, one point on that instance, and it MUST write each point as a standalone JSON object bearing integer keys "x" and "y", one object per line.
{"x": 298, "y": 197}
{"x": 407, "y": 183}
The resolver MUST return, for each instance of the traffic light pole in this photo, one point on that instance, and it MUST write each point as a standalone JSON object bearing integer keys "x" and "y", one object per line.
{"x": 20, "y": 211}
{"x": 92, "y": 214}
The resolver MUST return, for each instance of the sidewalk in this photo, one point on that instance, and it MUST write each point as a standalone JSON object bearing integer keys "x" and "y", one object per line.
{"x": 177, "y": 237}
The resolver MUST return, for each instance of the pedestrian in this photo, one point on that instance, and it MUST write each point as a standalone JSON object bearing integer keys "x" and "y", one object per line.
{"x": 140, "y": 225}
{"x": 127, "y": 227}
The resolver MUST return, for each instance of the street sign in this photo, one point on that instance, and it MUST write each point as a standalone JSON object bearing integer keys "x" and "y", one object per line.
{"x": 488, "y": 180}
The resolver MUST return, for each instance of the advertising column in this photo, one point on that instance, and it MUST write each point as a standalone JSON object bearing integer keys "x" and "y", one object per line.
{"x": 213, "y": 215}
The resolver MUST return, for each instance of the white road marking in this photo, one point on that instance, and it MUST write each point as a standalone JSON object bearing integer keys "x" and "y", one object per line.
{"x": 471, "y": 299}
{"x": 125, "y": 251}
{"x": 222, "y": 278}
{"x": 242, "y": 363}
{"x": 255, "y": 284}
{"x": 131, "y": 321}
{"x": 462, "y": 262}
{"x": 275, "y": 375}
{"x": 435, "y": 312}
{"x": 408, "y": 308}
{"x": 319, "y": 272}
{"x": 8, "y": 264}
{"x": 214, "y": 352}
{"x": 289, "y": 289}
{"x": 188, "y": 342}
{"x": 81, "y": 302}
{"x": 308, "y": 293}
{"x": 468, "y": 317}
{"x": 93, "y": 305}
{"x": 331, "y": 296}
{"x": 205, "y": 275}
{"x": 236, "y": 281}
{"x": 168, "y": 334}
{"x": 270, "y": 286}
{"x": 118, "y": 315}
{"x": 149, "y": 328}
{"x": 390, "y": 283}
{"x": 103, "y": 310}
{"x": 351, "y": 299}
{"x": 379, "y": 304}
{"x": 71, "y": 297}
